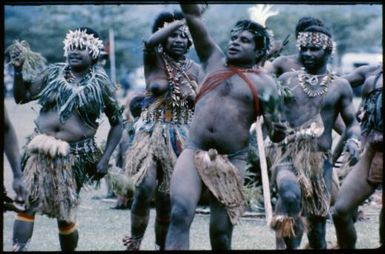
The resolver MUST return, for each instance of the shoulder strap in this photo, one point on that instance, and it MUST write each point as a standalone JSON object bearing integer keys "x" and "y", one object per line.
{"x": 253, "y": 91}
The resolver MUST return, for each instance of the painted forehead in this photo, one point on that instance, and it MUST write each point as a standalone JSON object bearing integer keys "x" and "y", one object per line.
{"x": 314, "y": 39}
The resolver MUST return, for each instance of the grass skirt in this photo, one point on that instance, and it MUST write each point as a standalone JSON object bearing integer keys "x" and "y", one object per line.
{"x": 223, "y": 180}
{"x": 157, "y": 146}
{"x": 49, "y": 179}
{"x": 308, "y": 164}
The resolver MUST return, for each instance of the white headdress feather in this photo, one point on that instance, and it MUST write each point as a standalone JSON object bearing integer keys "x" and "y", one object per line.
{"x": 81, "y": 38}
{"x": 261, "y": 12}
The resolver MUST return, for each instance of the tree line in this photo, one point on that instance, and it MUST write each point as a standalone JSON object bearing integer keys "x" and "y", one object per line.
{"x": 355, "y": 28}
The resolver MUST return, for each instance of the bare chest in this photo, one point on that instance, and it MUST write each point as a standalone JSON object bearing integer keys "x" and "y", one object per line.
{"x": 236, "y": 89}
{"x": 299, "y": 107}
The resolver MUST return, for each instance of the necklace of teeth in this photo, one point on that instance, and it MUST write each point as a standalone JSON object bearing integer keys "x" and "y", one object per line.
{"x": 311, "y": 84}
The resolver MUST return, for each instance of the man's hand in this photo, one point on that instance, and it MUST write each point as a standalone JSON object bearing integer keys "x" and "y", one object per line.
{"x": 20, "y": 190}
{"x": 353, "y": 148}
{"x": 279, "y": 131}
{"x": 16, "y": 58}
{"x": 102, "y": 168}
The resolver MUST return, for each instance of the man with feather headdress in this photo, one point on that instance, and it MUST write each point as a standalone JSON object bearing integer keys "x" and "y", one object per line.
{"x": 61, "y": 155}
{"x": 234, "y": 92}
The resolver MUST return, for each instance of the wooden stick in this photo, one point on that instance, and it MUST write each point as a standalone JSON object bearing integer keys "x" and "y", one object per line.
{"x": 264, "y": 173}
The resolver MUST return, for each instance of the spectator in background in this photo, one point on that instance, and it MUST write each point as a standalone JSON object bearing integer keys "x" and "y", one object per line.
{"x": 132, "y": 113}
{"x": 125, "y": 84}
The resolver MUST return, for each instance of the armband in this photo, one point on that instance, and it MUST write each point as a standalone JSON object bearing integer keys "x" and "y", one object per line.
{"x": 355, "y": 141}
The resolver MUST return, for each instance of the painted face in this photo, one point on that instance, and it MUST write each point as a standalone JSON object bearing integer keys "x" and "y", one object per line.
{"x": 177, "y": 43}
{"x": 241, "y": 48}
{"x": 313, "y": 57}
{"x": 79, "y": 58}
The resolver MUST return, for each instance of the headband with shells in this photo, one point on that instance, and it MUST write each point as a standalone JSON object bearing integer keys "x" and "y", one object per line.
{"x": 314, "y": 39}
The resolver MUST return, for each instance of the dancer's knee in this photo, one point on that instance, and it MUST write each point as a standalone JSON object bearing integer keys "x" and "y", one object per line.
{"x": 339, "y": 213}
{"x": 181, "y": 214}
{"x": 290, "y": 198}
{"x": 163, "y": 205}
{"x": 143, "y": 195}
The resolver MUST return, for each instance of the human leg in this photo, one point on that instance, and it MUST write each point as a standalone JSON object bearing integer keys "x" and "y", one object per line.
{"x": 335, "y": 187}
{"x": 68, "y": 235}
{"x": 316, "y": 232}
{"x": 287, "y": 221}
{"x": 22, "y": 230}
{"x": 221, "y": 228}
{"x": 354, "y": 190}
{"x": 162, "y": 220}
{"x": 140, "y": 209}
{"x": 186, "y": 187}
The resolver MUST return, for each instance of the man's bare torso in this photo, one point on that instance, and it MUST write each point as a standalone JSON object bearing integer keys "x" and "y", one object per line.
{"x": 223, "y": 116}
{"x": 302, "y": 108}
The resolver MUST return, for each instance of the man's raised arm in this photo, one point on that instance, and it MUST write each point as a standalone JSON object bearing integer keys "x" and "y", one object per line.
{"x": 204, "y": 45}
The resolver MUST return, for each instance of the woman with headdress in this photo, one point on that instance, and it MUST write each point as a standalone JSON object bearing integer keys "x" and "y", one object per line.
{"x": 171, "y": 83}
{"x": 61, "y": 155}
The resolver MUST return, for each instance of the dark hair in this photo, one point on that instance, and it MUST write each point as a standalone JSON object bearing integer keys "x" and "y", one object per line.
{"x": 168, "y": 17}
{"x": 318, "y": 29}
{"x": 305, "y": 22}
{"x": 261, "y": 36}
{"x": 136, "y": 105}
{"x": 89, "y": 31}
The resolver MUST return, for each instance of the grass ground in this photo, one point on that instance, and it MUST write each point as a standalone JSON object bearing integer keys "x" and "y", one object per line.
{"x": 102, "y": 228}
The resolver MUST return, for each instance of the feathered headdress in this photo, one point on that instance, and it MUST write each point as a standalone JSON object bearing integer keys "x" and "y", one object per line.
{"x": 80, "y": 38}
{"x": 261, "y": 12}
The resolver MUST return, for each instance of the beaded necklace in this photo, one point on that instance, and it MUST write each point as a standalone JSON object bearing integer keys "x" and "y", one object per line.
{"x": 311, "y": 84}
{"x": 176, "y": 73}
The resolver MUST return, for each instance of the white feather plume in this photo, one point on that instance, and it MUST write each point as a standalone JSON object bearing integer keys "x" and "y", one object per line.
{"x": 261, "y": 12}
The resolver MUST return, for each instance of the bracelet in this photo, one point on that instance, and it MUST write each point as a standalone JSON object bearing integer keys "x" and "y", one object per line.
{"x": 355, "y": 141}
